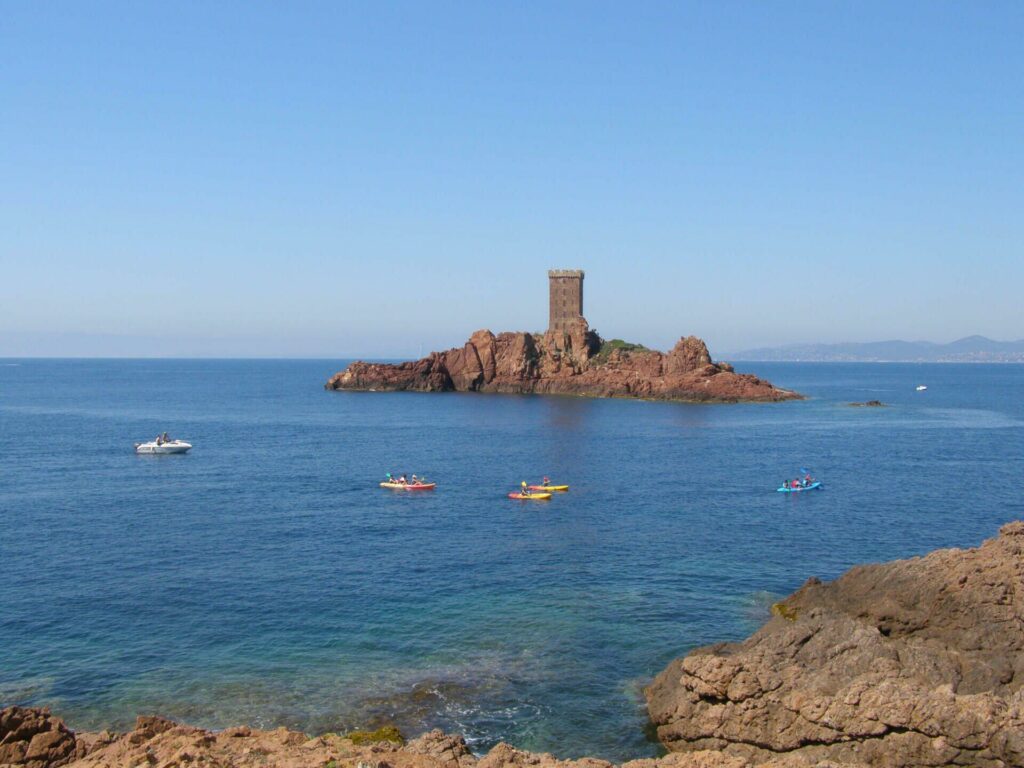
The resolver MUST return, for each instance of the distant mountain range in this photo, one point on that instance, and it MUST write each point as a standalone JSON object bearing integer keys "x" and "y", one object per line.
{"x": 972, "y": 349}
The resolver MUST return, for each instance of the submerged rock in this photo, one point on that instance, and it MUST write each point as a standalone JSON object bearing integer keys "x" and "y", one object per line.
{"x": 572, "y": 362}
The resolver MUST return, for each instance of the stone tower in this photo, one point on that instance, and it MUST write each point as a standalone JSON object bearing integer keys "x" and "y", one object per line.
{"x": 565, "y": 287}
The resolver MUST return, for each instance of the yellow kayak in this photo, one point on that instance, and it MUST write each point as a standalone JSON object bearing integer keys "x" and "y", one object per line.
{"x": 537, "y": 496}
{"x": 548, "y": 487}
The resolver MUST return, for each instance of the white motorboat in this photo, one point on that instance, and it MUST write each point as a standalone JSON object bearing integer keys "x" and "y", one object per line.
{"x": 921, "y": 387}
{"x": 163, "y": 446}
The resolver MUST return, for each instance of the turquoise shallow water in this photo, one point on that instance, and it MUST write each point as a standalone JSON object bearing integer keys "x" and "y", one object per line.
{"x": 264, "y": 578}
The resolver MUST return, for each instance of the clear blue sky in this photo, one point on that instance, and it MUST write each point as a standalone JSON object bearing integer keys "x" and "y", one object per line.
{"x": 339, "y": 179}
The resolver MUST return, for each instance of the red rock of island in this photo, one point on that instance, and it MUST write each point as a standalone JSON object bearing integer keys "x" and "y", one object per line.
{"x": 573, "y": 361}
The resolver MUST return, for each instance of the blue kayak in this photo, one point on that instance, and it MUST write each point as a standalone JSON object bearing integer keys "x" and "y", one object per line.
{"x": 811, "y": 487}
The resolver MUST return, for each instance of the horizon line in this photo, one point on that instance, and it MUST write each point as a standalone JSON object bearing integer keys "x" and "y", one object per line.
{"x": 724, "y": 358}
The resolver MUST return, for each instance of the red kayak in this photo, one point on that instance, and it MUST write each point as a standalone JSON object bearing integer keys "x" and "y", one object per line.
{"x": 409, "y": 486}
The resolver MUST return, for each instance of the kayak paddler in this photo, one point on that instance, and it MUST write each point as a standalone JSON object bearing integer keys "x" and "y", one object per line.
{"x": 525, "y": 492}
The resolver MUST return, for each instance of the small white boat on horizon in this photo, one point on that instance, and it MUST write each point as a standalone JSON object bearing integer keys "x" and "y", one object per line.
{"x": 921, "y": 387}
{"x": 163, "y": 446}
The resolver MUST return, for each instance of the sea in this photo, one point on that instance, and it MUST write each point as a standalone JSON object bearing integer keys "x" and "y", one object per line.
{"x": 264, "y": 578}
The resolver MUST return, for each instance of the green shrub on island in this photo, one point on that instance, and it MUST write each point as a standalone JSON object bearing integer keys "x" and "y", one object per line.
{"x": 607, "y": 347}
{"x": 384, "y": 733}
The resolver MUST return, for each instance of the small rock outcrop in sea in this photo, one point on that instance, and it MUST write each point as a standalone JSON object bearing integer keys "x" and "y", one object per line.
{"x": 571, "y": 362}
{"x": 868, "y": 404}
{"x": 917, "y": 662}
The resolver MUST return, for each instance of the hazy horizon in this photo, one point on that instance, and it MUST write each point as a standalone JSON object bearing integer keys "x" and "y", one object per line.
{"x": 159, "y": 349}
{"x": 318, "y": 180}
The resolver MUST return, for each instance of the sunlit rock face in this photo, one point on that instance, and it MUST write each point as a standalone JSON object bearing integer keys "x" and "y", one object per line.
{"x": 915, "y": 662}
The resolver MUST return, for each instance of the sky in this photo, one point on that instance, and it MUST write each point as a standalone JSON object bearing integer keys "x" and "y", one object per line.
{"x": 381, "y": 179}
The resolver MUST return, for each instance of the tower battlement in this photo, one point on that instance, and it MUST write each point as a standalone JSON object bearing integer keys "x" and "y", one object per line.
{"x": 565, "y": 297}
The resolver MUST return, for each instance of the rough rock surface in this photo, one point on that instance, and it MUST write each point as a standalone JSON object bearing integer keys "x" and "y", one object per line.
{"x": 159, "y": 743}
{"x": 34, "y": 738}
{"x": 915, "y": 662}
{"x": 567, "y": 363}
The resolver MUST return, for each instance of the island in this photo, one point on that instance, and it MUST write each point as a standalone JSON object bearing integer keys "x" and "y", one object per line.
{"x": 568, "y": 359}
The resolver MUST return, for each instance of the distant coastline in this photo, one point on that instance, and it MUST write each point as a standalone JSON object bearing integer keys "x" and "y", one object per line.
{"x": 971, "y": 349}
{"x": 734, "y": 360}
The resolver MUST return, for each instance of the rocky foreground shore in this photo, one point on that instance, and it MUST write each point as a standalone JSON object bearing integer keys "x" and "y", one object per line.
{"x": 574, "y": 362}
{"x": 915, "y": 662}
{"x": 912, "y": 663}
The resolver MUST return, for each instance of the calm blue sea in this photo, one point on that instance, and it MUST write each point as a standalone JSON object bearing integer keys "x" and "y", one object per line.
{"x": 264, "y": 578}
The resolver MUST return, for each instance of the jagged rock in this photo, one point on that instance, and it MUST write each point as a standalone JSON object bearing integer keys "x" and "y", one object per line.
{"x": 162, "y": 743}
{"x": 506, "y": 756}
{"x": 34, "y": 738}
{"x": 565, "y": 362}
{"x": 689, "y": 354}
{"x": 915, "y": 662}
{"x": 451, "y": 750}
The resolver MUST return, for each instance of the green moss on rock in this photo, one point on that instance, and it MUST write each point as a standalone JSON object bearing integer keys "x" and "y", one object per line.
{"x": 607, "y": 347}
{"x": 788, "y": 612}
{"x": 384, "y": 733}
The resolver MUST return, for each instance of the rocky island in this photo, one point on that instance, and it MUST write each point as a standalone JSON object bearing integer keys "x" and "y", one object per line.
{"x": 917, "y": 662}
{"x": 568, "y": 359}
